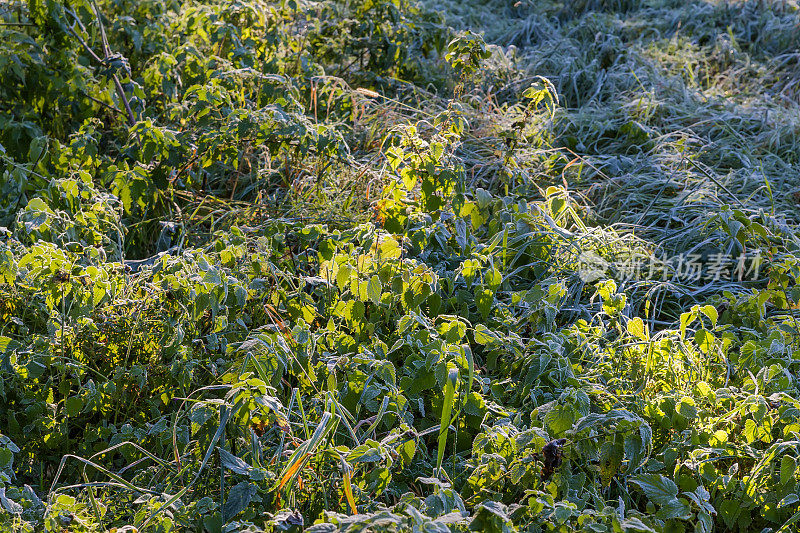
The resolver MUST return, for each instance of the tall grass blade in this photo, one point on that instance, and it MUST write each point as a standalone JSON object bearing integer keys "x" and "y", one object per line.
{"x": 447, "y": 409}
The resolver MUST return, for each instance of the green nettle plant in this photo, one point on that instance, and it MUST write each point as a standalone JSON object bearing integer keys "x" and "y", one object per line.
{"x": 391, "y": 265}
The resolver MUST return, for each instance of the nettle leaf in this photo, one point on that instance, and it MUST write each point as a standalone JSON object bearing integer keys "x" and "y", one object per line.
{"x": 344, "y": 276}
{"x": 704, "y": 339}
{"x": 374, "y": 288}
{"x": 364, "y": 454}
{"x": 686, "y": 320}
{"x": 611, "y": 455}
{"x": 483, "y": 197}
{"x": 700, "y": 496}
{"x": 560, "y": 418}
{"x": 484, "y": 299}
{"x": 687, "y": 408}
{"x": 232, "y": 462}
{"x": 613, "y": 302}
{"x": 469, "y": 269}
{"x": 750, "y": 430}
{"x": 475, "y": 404}
{"x": 677, "y": 508}
{"x": 493, "y": 278}
{"x": 659, "y": 489}
{"x": 239, "y": 498}
{"x": 9, "y": 505}
{"x": 73, "y": 405}
{"x": 637, "y": 328}
{"x": 637, "y": 436}
{"x": 389, "y": 249}
{"x": 607, "y": 289}
{"x": 6, "y": 458}
{"x": 453, "y": 330}
{"x": 788, "y": 469}
{"x": 485, "y": 336}
{"x": 492, "y": 517}
{"x": 711, "y": 312}
{"x": 638, "y": 447}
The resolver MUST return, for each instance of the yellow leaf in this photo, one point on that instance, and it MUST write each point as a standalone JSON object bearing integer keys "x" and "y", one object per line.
{"x": 348, "y": 492}
{"x": 292, "y": 470}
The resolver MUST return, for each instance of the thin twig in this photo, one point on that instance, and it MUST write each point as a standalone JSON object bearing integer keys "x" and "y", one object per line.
{"x": 107, "y": 106}
{"x": 117, "y": 84}
{"x": 107, "y": 52}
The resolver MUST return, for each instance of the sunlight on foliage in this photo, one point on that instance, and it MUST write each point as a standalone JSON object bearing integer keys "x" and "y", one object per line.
{"x": 397, "y": 265}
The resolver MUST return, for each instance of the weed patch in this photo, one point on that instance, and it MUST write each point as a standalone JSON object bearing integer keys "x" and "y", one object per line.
{"x": 390, "y": 265}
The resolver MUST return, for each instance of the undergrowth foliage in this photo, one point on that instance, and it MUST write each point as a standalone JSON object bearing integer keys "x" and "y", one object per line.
{"x": 366, "y": 266}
